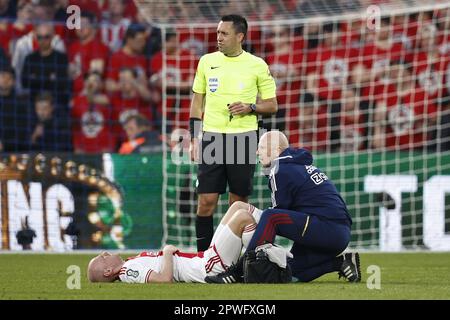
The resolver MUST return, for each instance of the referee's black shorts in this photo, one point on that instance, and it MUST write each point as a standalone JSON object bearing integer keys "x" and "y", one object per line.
{"x": 227, "y": 159}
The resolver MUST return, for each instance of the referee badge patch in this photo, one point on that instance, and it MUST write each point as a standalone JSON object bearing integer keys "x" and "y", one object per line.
{"x": 213, "y": 84}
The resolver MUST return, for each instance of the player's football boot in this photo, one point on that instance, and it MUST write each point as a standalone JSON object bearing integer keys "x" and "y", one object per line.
{"x": 350, "y": 268}
{"x": 233, "y": 274}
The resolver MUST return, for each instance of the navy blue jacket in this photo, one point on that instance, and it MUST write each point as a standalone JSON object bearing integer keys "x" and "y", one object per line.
{"x": 299, "y": 186}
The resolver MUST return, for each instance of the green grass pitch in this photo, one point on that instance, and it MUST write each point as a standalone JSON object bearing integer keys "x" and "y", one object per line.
{"x": 403, "y": 276}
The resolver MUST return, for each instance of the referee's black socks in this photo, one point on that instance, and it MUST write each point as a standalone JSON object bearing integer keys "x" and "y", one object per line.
{"x": 204, "y": 229}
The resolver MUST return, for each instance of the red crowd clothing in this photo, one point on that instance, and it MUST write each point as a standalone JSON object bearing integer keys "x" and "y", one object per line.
{"x": 10, "y": 32}
{"x": 84, "y": 57}
{"x": 408, "y": 119}
{"x": 120, "y": 60}
{"x": 430, "y": 75}
{"x": 378, "y": 59}
{"x": 405, "y": 32}
{"x": 123, "y": 107}
{"x": 5, "y": 38}
{"x": 257, "y": 40}
{"x": 378, "y": 90}
{"x": 352, "y": 129}
{"x": 311, "y": 133}
{"x": 332, "y": 66}
{"x": 92, "y": 126}
{"x": 89, "y": 6}
{"x": 352, "y": 37}
{"x": 197, "y": 40}
{"x": 180, "y": 67}
{"x": 113, "y": 34}
{"x": 444, "y": 43}
{"x": 254, "y": 37}
{"x": 287, "y": 88}
{"x": 129, "y": 12}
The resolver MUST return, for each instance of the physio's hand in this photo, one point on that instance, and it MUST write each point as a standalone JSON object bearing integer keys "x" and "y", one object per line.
{"x": 169, "y": 249}
{"x": 193, "y": 149}
{"x": 238, "y": 107}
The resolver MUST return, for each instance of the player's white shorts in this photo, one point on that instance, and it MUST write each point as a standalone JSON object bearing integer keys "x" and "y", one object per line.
{"x": 221, "y": 254}
{"x": 189, "y": 267}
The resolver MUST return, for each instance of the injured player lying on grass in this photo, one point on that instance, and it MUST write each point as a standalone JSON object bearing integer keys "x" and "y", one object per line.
{"x": 171, "y": 265}
{"x": 221, "y": 261}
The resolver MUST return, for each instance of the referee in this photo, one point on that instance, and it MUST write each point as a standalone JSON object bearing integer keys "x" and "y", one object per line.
{"x": 226, "y": 86}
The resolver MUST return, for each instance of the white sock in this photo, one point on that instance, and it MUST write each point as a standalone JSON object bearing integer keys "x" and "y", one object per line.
{"x": 255, "y": 212}
{"x": 247, "y": 235}
{"x": 216, "y": 233}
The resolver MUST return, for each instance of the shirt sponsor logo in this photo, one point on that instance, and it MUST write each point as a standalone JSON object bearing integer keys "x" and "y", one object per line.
{"x": 213, "y": 84}
{"x": 319, "y": 177}
{"x": 132, "y": 273}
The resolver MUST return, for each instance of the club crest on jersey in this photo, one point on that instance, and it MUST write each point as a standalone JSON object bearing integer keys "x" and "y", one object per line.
{"x": 132, "y": 273}
{"x": 213, "y": 84}
{"x": 401, "y": 119}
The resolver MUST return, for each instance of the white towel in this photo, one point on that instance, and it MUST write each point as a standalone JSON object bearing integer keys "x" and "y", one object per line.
{"x": 275, "y": 254}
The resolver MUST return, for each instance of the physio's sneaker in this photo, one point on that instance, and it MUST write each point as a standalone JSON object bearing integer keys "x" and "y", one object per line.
{"x": 231, "y": 275}
{"x": 350, "y": 268}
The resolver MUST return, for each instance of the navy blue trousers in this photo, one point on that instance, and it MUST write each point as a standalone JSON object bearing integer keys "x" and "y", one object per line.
{"x": 317, "y": 241}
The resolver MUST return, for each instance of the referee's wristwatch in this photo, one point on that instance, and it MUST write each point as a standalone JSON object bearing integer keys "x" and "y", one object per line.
{"x": 253, "y": 107}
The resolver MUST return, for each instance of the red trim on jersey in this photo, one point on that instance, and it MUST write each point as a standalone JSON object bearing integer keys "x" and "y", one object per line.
{"x": 189, "y": 255}
{"x": 147, "y": 254}
{"x": 148, "y": 275}
{"x": 213, "y": 260}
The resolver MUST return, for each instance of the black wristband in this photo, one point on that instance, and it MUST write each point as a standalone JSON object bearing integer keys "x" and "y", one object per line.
{"x": 195, "y": 125}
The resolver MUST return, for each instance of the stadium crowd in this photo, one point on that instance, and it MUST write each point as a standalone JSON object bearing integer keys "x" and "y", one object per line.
{"x": 342, "y": 86}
